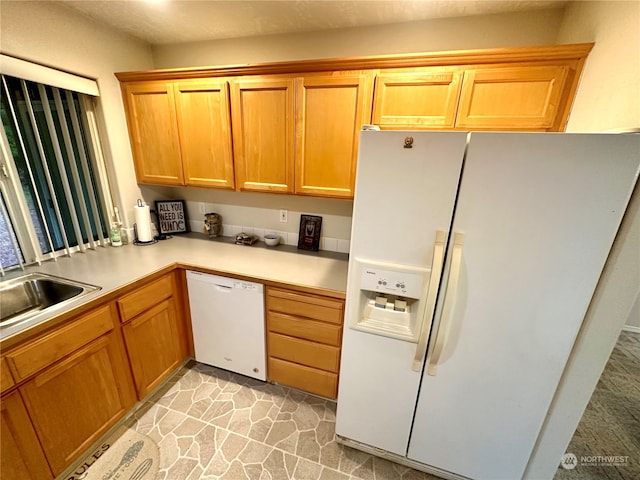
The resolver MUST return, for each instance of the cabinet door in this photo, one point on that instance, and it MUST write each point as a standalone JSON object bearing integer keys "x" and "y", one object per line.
{"x": 262, "y": 113}
{"x": 76, "y": 401}
{"x": 20, "y": 451}
{"x": 424, "y": 100}
{"x": 153, "y": 343}
{"x": 518, "y": 98}
{"x": 153, "y": 131}
{"x": 204, "y": 125}
{"x": 330, "y": 111}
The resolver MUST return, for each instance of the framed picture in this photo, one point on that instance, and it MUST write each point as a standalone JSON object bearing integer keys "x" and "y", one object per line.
{"x": 309, "y": 236}
{"x": 172, "y": 216}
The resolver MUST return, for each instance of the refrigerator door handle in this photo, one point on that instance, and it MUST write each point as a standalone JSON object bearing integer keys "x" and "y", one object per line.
{"x": 432, "y": 293}
{"x": 449, "y": 303}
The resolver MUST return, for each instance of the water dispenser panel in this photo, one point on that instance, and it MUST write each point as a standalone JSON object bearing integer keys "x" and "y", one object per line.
{"x": 404, "y": 284}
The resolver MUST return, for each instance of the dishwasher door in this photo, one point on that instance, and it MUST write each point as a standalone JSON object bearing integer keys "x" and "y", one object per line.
{"x": 227, "y": 316}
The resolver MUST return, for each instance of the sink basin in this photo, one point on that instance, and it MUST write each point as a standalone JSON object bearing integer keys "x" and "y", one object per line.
{"x": 28, "y": 296}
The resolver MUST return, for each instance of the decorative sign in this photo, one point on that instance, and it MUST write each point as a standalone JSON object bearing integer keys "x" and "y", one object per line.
{"x": 309, "y": 236}
{"x": 172, "y": 216}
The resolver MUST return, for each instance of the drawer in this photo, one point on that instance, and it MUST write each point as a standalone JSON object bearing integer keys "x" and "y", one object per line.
{"x": 6, "y": 380}
{"x": 304, "y": 352}
{"x": 303, "y": 378}
{"x": 304, "y": 328}
{"x": 145, "y": 297}
{"x": 309, "y": 306}
{"x": 43, "y": 352}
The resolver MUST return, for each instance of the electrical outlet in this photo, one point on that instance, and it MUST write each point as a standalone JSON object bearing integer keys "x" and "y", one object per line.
{"x": 283, "y": 216}
{"x": 202, "y": 207}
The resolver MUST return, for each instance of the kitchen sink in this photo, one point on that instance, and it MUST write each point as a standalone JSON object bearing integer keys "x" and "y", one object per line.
{"x": 28, "y": 296}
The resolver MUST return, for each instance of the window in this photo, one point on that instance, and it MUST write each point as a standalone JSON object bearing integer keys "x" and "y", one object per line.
{"x": 54, "y": 201}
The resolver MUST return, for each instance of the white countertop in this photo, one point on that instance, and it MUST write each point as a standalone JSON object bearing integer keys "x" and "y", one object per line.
{"x": 112, "y": 268}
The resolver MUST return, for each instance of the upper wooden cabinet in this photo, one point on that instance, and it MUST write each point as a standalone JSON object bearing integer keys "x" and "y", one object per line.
{"x": 299, "y": 135}
{"x": 150, "y": 108}
{"x": 295, "y": 125}
{"x": 330, "y": 112}
{"x": 417, "y": 100}
{"x": 180, "y": 132}
{"x": 204, "y": 126}
{"x": 263, "y": 129}
{"x": 525, "y": 97}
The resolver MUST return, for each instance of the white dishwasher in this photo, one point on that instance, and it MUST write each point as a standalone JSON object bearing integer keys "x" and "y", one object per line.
{"x": 228, "y": 323}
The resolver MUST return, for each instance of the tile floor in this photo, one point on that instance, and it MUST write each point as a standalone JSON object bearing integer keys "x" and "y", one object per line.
{"x": 211, "y": 424}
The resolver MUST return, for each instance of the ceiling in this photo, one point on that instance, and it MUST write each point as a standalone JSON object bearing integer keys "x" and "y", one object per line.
{"x": 176, "y": 21}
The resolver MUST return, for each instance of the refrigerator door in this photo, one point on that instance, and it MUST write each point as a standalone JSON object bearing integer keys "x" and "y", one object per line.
{"x": 403, "y": 197}
{"x": 538, "y": 214}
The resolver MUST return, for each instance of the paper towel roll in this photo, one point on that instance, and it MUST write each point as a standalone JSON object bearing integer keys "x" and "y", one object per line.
{"x": 143, "y": 222}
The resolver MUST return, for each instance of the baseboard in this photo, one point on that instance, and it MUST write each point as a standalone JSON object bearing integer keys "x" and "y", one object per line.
{"x": 631, "y": 328}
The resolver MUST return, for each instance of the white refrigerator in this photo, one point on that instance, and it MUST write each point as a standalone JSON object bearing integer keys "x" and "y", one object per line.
{"x": 473, "y": 261}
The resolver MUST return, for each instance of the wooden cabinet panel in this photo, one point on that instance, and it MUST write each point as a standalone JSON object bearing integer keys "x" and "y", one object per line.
{"x": 77, "y": 400}
{"x": 262, "y": 114}
{"x": 330, "y": 111}
{"x": 153, "y": 343}
{"x": 37, "y": 355}
{"x": 310, "y": 306}
{"x": 153, "y": 132}
{"x": 428, "y": 99}
{"x": 304, "y": 352}
{"x": 302, "y": 377}
{"x": 304, "y": 328}
{"x": 303, "y": 340}
{"x": 145, "y": 297}
{"x": 20, "y": 452}
{"x": 517, "y": 98}
{"x": 204, "y": 125}
{"x": 6, "y": 380}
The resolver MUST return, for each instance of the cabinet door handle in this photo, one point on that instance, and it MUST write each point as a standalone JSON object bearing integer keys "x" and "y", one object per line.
{"x": 449, "y": 303}
{"x": 430, "y": 304}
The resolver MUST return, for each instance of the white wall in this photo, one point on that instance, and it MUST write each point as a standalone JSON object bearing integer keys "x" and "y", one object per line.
{"x": 259, "y": 213}
{"x": 52, "y": 35}
{"x": 607, "y": 98}
{"x": 538, "y": 27}
{"x": 609, "y": 95}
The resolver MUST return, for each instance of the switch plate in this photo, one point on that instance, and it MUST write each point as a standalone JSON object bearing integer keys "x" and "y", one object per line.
{"x": 201, "y": 207}
{"x": 283, "y": 216}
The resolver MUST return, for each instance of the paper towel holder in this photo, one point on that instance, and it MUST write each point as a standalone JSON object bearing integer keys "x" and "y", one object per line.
{"x": 138, "y": 242}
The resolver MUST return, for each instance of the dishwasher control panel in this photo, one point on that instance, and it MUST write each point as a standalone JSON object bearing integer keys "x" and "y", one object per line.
{"x": 247, "y": 286}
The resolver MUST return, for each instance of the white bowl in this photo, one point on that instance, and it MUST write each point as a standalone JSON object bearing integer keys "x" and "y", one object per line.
{"x": 272, "y": 240}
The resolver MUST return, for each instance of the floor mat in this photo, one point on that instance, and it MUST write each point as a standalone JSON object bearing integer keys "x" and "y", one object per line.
{"x": 125, "y": 455}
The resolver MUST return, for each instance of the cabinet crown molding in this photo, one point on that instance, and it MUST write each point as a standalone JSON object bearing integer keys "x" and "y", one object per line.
{"x": 408, "y": 60}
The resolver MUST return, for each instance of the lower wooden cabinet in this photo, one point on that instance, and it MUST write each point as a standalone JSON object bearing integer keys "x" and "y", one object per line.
{"x": 20, "y": 452}
{"x": 77, "y": 400}
{"x": 154, "y": 331}
{"x": 64, "y": 389}
{"x": 152, "y": 342}
{"x": 303, "y": 340}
